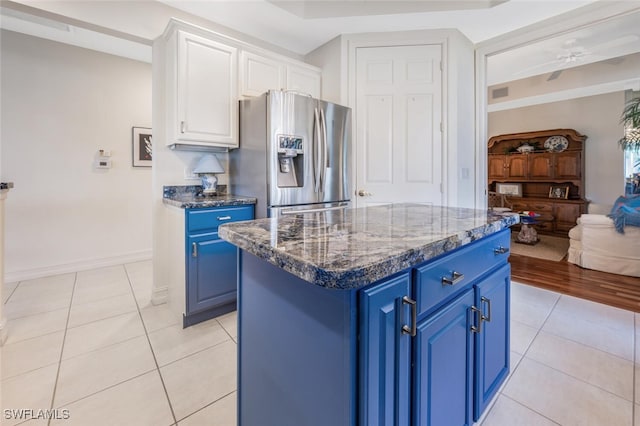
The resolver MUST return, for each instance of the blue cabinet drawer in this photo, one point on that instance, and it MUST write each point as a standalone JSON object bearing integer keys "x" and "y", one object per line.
{"x": 200, "y": 219}
{"x": 436, "y": 281}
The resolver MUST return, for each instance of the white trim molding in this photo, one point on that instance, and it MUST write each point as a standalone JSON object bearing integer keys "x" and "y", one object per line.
{"x": 80, "y": 265}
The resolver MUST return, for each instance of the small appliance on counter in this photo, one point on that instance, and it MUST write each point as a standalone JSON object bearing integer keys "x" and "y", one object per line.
{"x": 294, "y": 154}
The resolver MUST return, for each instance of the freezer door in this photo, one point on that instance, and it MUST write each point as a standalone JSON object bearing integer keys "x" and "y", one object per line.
{"x": 291, "y": 117}
{"x": 336, "y": 125}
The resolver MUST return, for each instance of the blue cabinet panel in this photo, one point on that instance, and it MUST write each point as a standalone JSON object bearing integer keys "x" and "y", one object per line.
{"x": 296, "y": 350}
{"x": 211, "y": 263}
{"x": 385, "y": 357}
{"x": 492, "y": 343}
{"x": 471, "y": 261}
{"x": 443, "y": 365}
{"x": 210, "y": 219}
{"x": 212, "y": 272}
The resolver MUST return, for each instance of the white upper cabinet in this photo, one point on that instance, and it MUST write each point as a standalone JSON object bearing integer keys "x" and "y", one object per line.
{"x": 258, "y": 74}
{"x": 305, "y": 79}
{"x": 206, "y": 98}
{"x": 262, "y": 72}
{"x": 200, "y": 75}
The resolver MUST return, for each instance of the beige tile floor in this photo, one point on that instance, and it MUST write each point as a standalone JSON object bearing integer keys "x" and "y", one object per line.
{"x": 92, "y": 343}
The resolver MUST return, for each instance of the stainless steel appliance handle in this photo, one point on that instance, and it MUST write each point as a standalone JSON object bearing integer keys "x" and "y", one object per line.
{"x": 316, "y": 154}
{"x": 304, "y": 211}
{"x": 325, "y": 153}
{"x": 298, "y": 92}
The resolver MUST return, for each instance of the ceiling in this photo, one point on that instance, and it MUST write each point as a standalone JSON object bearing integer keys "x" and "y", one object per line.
{"x": 302, "y": 26}
{"x": 612, "y": 38}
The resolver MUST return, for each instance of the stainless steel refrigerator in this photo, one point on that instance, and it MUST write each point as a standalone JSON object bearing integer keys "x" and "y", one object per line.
{"x": 294, "y": 154}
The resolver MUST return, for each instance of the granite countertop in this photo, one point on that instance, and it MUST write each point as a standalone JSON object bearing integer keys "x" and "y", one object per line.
{"x": 352, "y": 248}
{"x": 190, "y": 197}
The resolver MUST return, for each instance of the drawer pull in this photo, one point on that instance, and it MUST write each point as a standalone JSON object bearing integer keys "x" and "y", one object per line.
{"x": 501, "y": 250}
{"x": 486, "y": 318}
{"x": 477, "y": 319}
{"x": 224, "y": 217}
{"x": 194, "y": 250}
{"x": 414, "y": 317}
{"x": 456, "y": 277}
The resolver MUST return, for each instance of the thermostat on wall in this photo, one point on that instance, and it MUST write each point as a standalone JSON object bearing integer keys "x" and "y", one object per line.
{"x": 103, "y": 163}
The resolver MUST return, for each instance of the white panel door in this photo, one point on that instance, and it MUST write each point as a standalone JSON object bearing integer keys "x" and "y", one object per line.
{"x": 398, "y": 114}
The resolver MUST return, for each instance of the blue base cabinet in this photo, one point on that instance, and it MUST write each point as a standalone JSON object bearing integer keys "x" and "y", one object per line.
{"x": 211, "y": 263}
{"x": 427, "y": 346}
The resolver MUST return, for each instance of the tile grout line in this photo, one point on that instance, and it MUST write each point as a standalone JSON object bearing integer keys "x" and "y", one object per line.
{"x": 209, "y": 404}
{"x": 524, "y": 356}
{"x": 153, "y": 354}
{"x": 64, "y": 338}
{"x": 12, "y": 291}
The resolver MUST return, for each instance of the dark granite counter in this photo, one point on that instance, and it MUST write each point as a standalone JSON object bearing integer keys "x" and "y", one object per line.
{"x": 352, "y": 248}
{"x": 190, "y": 197}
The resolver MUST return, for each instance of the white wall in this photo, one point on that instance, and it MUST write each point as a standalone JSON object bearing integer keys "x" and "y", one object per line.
{"x": 60, "y": 105}
{"x": 595, "y": 116}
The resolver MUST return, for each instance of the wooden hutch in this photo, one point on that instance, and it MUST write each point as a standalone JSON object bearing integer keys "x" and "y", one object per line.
{"x": 538, "y": 170}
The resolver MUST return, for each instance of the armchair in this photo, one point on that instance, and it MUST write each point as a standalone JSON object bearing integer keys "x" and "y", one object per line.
{"x": 595, "y": 244}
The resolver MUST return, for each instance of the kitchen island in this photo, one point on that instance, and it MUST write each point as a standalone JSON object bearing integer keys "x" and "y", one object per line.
{"x": 395, "y": 314}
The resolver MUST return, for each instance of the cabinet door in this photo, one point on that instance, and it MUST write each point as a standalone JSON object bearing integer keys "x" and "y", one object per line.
{"x": 497, "y": 167}
{"x": 516, "y": 166}
{"x": 385, "y": 359}
{"x": 212, "y": 274}
{"x": 540, "y": 166}
{"x": 443, "y": 365}
{"x": 207, "y": 91}
{"x": 304, "y": 80}
{"x": 259, "y": 74}
{"x": 492, "y": 342}
{"x": 566, "y": 215}
{"x": 569, "y": 165}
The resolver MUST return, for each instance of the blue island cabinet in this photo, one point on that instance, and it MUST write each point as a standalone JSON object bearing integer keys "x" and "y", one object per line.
{"x": 426, "y": 346}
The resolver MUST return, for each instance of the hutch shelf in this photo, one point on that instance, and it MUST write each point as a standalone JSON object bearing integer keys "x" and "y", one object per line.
{"x": 540, "y": 162}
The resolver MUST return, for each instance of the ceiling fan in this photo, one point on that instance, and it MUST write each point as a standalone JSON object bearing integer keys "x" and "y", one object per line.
{"x": 572, "y": 52}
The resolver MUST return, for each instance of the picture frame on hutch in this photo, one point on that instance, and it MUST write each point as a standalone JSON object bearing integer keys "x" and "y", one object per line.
{"x": 510, "y": 189}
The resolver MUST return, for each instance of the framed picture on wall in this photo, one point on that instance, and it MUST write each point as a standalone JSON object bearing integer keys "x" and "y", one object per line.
{"x": 142, "y": 147}
{"x": 559, "y": 192}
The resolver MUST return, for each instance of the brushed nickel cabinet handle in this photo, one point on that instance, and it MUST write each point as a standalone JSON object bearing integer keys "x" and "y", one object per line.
{"x": 194, "y": 250}
{"x": 456, "y": 277}
{"x": 414, "y": 317}
{"x": 476, "y": 313}
{"x": 486, "y": 318}
{"x": 224, "y": 217}
{"x": 501, "y": 250}
{"x": 182, "y": 127}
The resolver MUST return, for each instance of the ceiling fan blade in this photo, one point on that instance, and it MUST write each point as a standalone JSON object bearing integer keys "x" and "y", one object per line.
{"x": 554, "y": 75}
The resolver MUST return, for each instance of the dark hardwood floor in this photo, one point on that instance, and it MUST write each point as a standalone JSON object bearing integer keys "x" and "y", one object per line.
{"x": 563, "y": 277}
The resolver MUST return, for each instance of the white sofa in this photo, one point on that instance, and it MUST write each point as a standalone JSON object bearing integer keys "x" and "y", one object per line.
{"x": 595, "y": 244}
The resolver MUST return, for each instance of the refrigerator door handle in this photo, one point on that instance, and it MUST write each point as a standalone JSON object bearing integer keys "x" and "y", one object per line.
{"x": 315, "y": 150}
{"x": 325, "y": 154}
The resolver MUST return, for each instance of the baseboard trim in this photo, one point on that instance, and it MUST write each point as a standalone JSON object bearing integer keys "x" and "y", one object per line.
{"x": 159, "y": 295}
{"x": 82, "y": 265}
